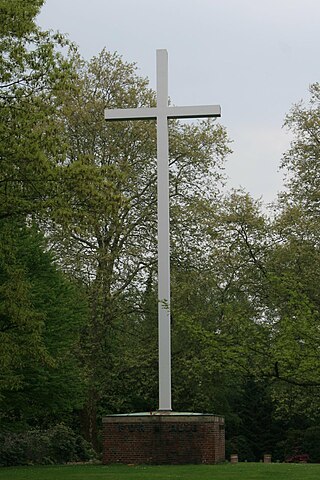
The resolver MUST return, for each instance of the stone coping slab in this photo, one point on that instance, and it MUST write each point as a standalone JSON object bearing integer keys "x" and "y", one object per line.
{"x": 167, "y": 416}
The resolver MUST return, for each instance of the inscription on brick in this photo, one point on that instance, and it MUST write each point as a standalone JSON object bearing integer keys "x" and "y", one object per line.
{"x": 177, "y": 428}
{"x": 131, "y": 428}
{"x": 182, "y": 428}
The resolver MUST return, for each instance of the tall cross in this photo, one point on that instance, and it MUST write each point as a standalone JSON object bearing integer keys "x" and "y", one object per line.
{"x": 161, "y": 113}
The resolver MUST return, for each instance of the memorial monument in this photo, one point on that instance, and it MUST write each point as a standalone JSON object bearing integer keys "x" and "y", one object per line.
{"x": 163, "y": 436}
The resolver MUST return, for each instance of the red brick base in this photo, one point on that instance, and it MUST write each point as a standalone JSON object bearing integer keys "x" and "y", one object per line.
{"x": 163, "y": 438}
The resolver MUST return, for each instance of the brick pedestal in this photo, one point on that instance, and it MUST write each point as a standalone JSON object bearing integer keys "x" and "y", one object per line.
{"x": 163, "y": 438}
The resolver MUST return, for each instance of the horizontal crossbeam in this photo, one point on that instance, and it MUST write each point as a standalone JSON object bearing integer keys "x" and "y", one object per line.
{"x": 143, "y": 113}
{"x": 131, "y": 113}
{"x": 198, "y": 111}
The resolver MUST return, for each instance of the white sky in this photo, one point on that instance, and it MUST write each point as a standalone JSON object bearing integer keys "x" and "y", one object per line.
{"x": 253, "y": 57}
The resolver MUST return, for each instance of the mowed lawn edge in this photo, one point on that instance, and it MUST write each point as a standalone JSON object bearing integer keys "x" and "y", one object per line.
{"x": 240, "y": 471}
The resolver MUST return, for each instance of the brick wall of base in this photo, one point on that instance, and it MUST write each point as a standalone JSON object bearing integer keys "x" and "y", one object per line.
{"x": 163, "y": 438}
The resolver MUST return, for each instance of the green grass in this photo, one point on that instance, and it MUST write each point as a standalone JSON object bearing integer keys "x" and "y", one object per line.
{"x": 240, "y": 471}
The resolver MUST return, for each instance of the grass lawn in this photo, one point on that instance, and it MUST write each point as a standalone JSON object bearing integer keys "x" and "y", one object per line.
{"x": 240, "y": 471}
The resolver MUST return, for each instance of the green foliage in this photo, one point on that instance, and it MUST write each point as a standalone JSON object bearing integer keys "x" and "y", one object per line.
{"x": 301, "y": 161}
{"x": 56, "y": 445}
{"x": 33, "y": 70}
{"x": 18, "y": 17}
{"x": 299, "y": 442}
{"x": 241, "y": 446}
{"x": 311, "y": 443}
{"x": 255, "y": 410}
{"x": 294, "y": 268}
{"x": 21, "y": 323}
{"x": 41, "y": 316}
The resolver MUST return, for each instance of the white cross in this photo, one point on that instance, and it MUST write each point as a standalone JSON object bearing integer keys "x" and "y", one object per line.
{"x": 162, "y": 112}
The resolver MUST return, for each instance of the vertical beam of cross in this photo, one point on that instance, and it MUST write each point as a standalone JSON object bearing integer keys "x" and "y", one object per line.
{"x": 163, "y": 234}
{"x": 162, "y": 112}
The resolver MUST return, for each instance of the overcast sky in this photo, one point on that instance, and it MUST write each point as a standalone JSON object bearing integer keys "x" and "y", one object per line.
{"x": 253, "y": 57}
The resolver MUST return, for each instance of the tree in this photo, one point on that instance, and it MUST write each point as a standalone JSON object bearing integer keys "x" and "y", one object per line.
{"x": 33, "y": 70}
{"x": 18, "y": 21}
{"x": 104, "y": 229}
{"x": 271, "y": 306}
{"x": 21, "y": 323}
{"x": 301, "y": 160}
{"x": 295, "y": 264}
{"x": 41, "y": 317}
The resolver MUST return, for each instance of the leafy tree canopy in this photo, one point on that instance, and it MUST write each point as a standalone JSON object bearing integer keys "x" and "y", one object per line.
{"x": 41, "y": 314}
{"x": 33, "y": 69}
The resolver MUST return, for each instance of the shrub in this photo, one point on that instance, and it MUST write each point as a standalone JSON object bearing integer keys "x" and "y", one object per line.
{"x": 311, "y": 443}
{"x": 56, "y": 445}
{"x": 299, "y": 444}
{"x": 62, "y": 442}
{"x": 241, "y": 446}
